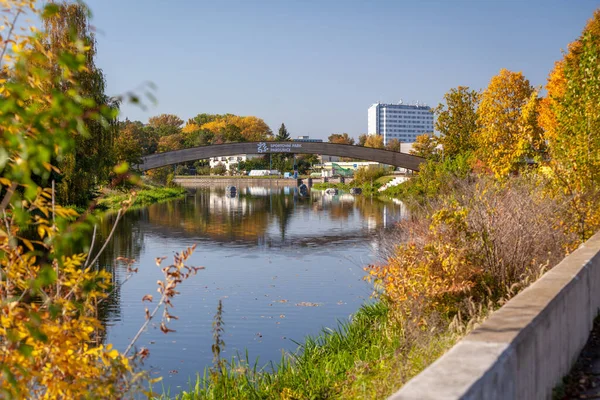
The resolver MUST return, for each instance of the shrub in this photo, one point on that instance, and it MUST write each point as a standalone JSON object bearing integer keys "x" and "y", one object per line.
{"x": 218, "y": 169}
{"x": 203, "y": 170}
{"x": 483, "y": 241}
{"x": 368, "y": 174}
{"x": 182, "y": 170}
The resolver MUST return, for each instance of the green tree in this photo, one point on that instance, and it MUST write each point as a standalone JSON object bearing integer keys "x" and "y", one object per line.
{"x": 90, "y": 164}
{"x": 456, "y": 121}
{"x": 204, "y": 118}
{"x": 425, "y": 146}
{"x": 232, "y": 134}
{"x": 283, "y": 134}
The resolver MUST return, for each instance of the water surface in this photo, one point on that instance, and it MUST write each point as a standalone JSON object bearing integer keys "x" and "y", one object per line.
{"x": 284, "y": 267}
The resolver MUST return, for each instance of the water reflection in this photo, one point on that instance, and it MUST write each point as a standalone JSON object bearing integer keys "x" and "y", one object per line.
{"x": 252, "y": 217}
{"x": 266, "y": 250}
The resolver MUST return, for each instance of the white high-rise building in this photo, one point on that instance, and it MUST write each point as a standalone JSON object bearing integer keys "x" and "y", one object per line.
{"x": 399, "y": 121}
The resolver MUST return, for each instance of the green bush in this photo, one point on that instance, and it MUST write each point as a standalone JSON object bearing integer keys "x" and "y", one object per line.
{"x": 203, "y": 170}
{"x": 368, "y": 174}
{"x": 182, "y": 170}
{"x": 434, "y": 179}
{"x": 219, "y": 169}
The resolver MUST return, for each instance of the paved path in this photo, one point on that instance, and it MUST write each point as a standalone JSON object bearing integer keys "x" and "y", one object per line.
{"x": 584, "y": 380}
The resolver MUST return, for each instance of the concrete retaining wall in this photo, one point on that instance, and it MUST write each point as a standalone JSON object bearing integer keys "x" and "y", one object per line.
{"x": 523, "y": 350}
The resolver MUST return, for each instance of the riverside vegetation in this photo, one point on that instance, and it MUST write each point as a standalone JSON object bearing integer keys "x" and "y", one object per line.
{"x": 515, "y": 189}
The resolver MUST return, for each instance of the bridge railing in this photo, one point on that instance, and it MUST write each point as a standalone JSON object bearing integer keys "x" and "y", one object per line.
{"x": 522, "y": 350}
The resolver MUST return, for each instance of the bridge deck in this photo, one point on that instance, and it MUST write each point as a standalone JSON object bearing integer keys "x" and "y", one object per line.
{"x": 394, "y": 158}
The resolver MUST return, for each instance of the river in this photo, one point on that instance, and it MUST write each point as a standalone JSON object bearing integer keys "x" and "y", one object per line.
{"x": 284, "y": 267}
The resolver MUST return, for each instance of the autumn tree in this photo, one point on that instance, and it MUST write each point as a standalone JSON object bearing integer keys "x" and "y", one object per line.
{"x": 165, "y": 124}
{"x": 505, "y": 138}
{"x": 570, "y": 116}
{"x": 251, "y": 129}
{"x": 425, "y": 146}
{"x": 47, "y": 295}
{"x": 456, "y": 121}
{"x": 89, "y": 165}
{"x": 283, "y": 134}
{"x": 340, "y": 138}
{"x": 374, "y": 141}
{"x": 128, "y": 142}
{"x": 362, "y": 139}
{"x": 195, "y": 136}
{"x": 204, "y": 118}
{"x": 394, "y": 145}
{"x": 171, "y": 142}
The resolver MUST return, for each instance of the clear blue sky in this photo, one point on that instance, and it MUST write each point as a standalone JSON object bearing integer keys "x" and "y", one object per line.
{"x": 317, "y": 65}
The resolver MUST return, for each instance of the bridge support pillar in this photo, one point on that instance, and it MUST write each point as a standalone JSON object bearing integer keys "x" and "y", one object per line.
{"x": 325, "y": 179}
{"x": 309, "y": 182}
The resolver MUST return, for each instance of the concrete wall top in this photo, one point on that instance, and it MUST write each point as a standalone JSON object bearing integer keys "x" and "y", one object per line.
{"x": 394, "y": 158}
{"x": 522, "y": 350}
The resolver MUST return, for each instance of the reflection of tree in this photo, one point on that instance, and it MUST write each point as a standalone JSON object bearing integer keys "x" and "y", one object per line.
{"x": 282, "y": 207}
{"x": 211, "y": 213}
{"x": 340, "y": 206}
{"x": 127, "y": 241}
{"x": 371, "y": 210}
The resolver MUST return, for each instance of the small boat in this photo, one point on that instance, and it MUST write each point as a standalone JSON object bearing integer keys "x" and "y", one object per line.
{"x": 230, "y": 191}
{"x": 331, "y": 191}
{"x": 303, "y": 190}
{"x": 355, "y": 191}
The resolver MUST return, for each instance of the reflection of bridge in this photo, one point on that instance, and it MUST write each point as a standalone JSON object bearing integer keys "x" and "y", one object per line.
{"x": 394, "y": 158}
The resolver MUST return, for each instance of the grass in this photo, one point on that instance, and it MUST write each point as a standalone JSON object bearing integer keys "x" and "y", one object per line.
{"x": 144, "y": 197}
{"x": 367, "y": 357}
{"x": 382, "y": 180}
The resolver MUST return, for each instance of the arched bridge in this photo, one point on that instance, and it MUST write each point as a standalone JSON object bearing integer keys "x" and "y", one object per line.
{"x": 394, "y": 158}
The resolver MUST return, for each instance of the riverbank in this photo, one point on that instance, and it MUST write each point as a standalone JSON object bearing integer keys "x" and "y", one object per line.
{"x": 370, "y": 189}
{"x": 369, "y": 356}
{"x": 148, "y": 195}
{"x": 194, "y": 181}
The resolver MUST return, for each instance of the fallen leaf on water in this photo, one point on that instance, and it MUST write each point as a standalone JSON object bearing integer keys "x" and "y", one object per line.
{"x": 307, "y": 304}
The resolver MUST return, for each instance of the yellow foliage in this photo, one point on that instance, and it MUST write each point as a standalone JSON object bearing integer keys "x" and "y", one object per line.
{"x": 570, "y": 116}
{"x": 503, "y": 135}
{"x": 427, "y": 275}
{"x": 49, "y": 342}
{"x": 374, "y": 141}
{"x": 252, "y": 128}
{"x": 189, "y": 128}
{"x": 49, "y": 347}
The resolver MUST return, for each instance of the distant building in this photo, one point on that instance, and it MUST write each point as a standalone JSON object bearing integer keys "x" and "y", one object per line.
{"x": 399, "y": 121}
{"x": 230, "y": 162}
{"x": 325, "y": 158}
{"x": 307, "y": 139}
